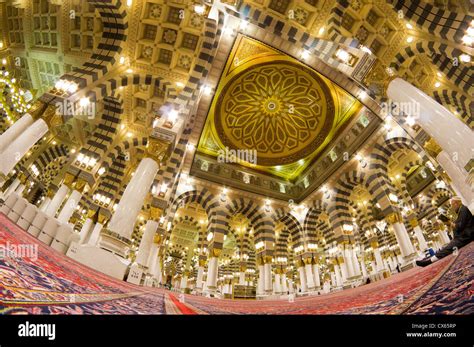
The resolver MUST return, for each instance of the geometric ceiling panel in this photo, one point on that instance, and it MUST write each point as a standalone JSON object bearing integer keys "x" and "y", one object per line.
{"x": 273, "y": 112}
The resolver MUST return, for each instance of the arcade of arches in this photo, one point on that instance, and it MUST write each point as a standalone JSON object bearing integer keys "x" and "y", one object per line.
{"x": 237, "y": 149}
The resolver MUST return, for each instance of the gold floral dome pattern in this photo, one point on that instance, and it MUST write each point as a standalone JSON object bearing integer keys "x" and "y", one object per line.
{"x": 283, "y": 110}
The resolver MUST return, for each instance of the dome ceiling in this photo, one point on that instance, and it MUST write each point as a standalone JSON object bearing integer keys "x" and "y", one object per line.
{"x": 280, "y": 111}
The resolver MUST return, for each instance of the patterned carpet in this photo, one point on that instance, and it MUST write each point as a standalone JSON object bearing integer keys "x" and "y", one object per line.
{"x": 51, "y": 283}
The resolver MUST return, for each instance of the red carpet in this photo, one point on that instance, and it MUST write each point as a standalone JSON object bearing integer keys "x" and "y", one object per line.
{"x": 55, "y": 284}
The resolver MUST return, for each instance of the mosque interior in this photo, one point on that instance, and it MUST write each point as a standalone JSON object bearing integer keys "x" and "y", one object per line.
{"x": 234, "y": 156}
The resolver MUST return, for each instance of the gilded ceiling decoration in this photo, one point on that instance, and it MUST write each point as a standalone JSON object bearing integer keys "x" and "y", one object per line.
{"x": 271, "y": 104}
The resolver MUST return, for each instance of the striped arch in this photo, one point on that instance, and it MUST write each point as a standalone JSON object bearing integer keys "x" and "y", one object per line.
{"x": 113, "y": 14}
{"x": 323, "y": 49}
{"x": 313, "y": 224}
{"x": 380, "y": 186}
{"x": 438, "y": 22}
{"x": 202, "y": 241}
{"x": 186, "y": 99}
{"x": 262, "y": 223}
{"x": 339, "y": 213}
{"x": 464, "y": 105}
{"x": 292, "y": 225}
{"x": 122, "y": 149}
{"x": 366, "y": 220}
{"x": 49, "y": 155}
{"x": 216, "y": 218}
{"x": 442, "y": 56}
{"x": 335, "y": 22}
{"x": 102, "y": 138}
{"x": 403, "y": 192}
{"x": 112, "y": 85}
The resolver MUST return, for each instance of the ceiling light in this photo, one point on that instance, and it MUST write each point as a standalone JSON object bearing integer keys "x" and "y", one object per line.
{"x": 129, "y": 3}
{"x": 365, "y": 49}
{"x": 410, "y": 39}
{"x": 410, "y": 121}
{"x": 243, "y": 25}
{"x": 437, "y": 84}
{"x": 304, "y": 54}
{"x": 468, "y": 40}
{"x": 101, "y": 171}
{"x": 4, "y": 61}
{"x": 129, "y": 134}
{"x": 179, "y": 84}
{"x": 206, "y": 90}
{"x": 409, "y": 26}
{"x": 321, "y": 31}
{"x": 343, "y": 55}
{"x": 465, "y": 58}
{"x": 199, "y": 9}
{"x": 84, "y": 102}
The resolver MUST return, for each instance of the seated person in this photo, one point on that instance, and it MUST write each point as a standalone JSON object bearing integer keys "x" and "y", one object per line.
{"x": 463, "y": 233}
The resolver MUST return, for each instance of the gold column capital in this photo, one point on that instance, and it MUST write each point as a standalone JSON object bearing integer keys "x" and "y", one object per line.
{"x": 394, "y": 217}
{"x": 157, "y": 239}
{"x": 432, "y": 147}
{"x": 413, "y": 222}
{"x": 215, "y": 252}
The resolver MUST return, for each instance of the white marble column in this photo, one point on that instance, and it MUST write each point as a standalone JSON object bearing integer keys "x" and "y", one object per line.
{"x": 184, "y": 282}
{"x": 86, "y": 228}
{"x": 261, "y": 280}
{"x": 57, "y": 200}
{"x": 69, "y": 207}
{"x": 268, "y": 278}
{"x": 378, "y": 260}
{"x": 301, "y": 271}
{"x": 130, "y": 205}
{"x": 364, "y": 268}
{"x": 146, "y": 242}
{"x": 355, "y": 263}
{"x": 22, "y": 144}
{"x": 420, "y": 237}
{"x": 309, "y": 277}
{"x": 11, "y": 188}
{"x": 283, "y": 284}
{"x": 44, "y": 204}
{"x": 242, "y": 278}
{"x": 212, "y": 272}
{"x": 455, "y": 138}
{"x": 317, "y": 279}
{"x": 277, "y": 286}
{"x": 15, "y": 131}
{"x": 339, "y": 278}
{"x": 158, "y": 273}
{"x": 94, "y": 238}
{"x": 403, "y": 240}
{"x": 200, "y": 274}
{"x": 19, "y": 190}
{"x": 344, "y": 272}
{"x": 347, "y": 265}
{"x": 374, "y": 267}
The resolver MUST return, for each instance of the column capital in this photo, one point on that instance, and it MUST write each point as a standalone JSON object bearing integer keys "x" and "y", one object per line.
{"x": 413, "y": 222}
{"x": 394, "y": 217}
{"x": 432, "y": 147}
